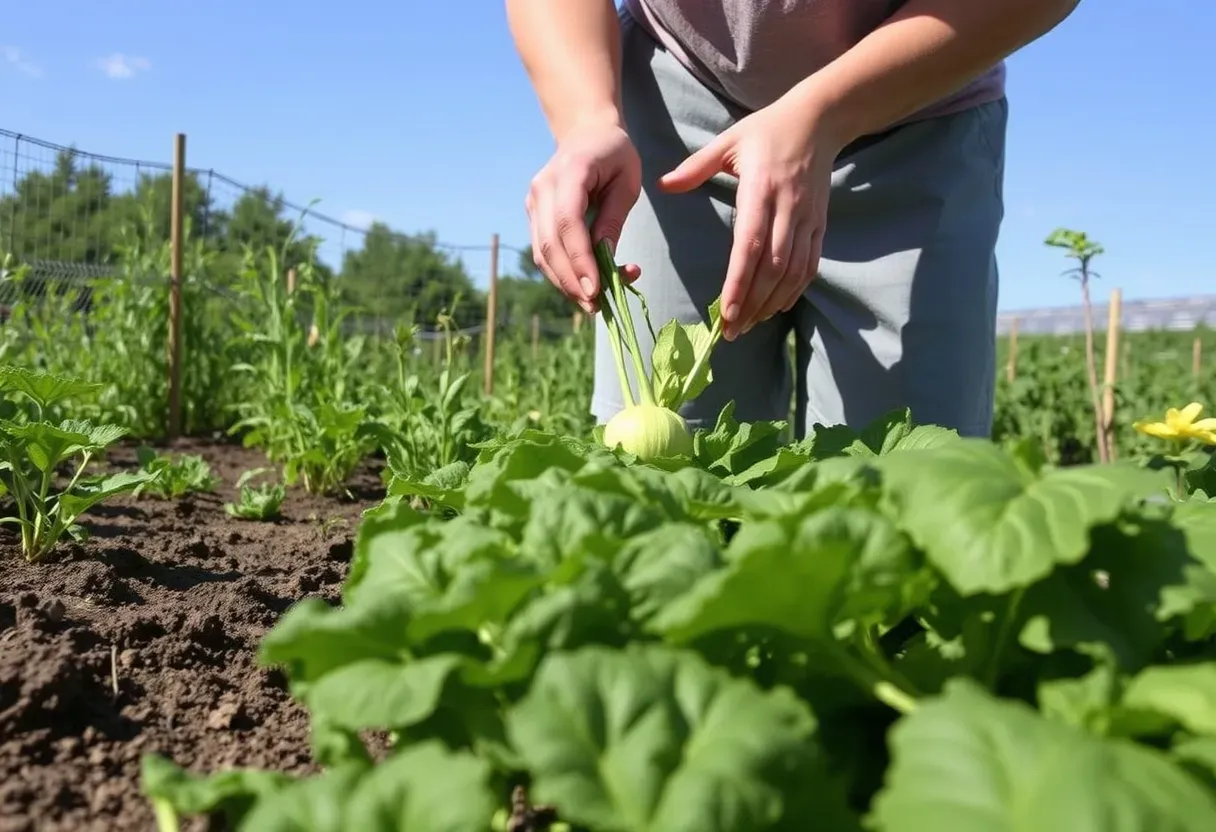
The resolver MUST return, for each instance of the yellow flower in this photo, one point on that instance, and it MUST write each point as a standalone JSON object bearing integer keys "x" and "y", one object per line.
{"x": 1180, "y": 425}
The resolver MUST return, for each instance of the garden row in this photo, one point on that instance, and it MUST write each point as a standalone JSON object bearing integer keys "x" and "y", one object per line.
{"x": 894, "y": 629}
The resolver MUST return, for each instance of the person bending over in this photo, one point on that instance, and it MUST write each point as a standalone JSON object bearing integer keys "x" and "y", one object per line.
{"x": 833, "y": 168}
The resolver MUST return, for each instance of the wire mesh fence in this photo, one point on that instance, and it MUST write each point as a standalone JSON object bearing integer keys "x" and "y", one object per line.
{"x": 67, "y": 216}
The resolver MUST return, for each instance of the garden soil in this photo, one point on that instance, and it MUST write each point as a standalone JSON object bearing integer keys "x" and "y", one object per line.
{"x": 144, "y": 638}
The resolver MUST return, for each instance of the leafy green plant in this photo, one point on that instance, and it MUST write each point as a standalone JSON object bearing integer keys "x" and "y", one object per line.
{"x": 423, "y": 427}
{"x": 257, "y": 502}
{"x": 863, "y": 629}
{"x": 32, "y": 452}
{"x": 172, "y": 478}
{"x": 299, "y": 405}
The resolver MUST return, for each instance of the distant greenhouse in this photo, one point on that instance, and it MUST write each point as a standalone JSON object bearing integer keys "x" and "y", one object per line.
{"x": 1137, "y": 316}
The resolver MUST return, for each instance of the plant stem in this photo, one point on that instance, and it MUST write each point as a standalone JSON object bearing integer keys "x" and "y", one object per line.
{"x": 715, "y": 334}
{"x": 615, "y": 336}
{"x": 166, "y": 816}
{"x": 614, "y": 341}
{"x": 885, "y": 690}
{"x": 612, "y": 286}
{"x": 993, "y": 661}
{"x": 1180, "y": 468}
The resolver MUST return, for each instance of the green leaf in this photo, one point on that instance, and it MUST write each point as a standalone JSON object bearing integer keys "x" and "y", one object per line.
{"x": 657, "y": 567}
{"x": 84, "y": 497}
{"x": 312, "y": 638}
{"x": 650, "y": 738}
{"x": 45, "y": 389}
{"x": 1186, "y": 694}
{"x": 382, "y": 694}
{"x": 229, "y": 793}
{"x": 893, "y": 431}
{"x": 1150, "y": 579}
{"x": 970, "y": 762}
{"x": 800, "y": 575}
{"x": 733, "y": 447}
{"x": 317, "y": 804}
{"x": 424, "y": 788}
{"x": 679, "y": 368}
{"x": 444, "y": 486}
{"x": 47, "y": 445}
{"x": 990, "y": 524}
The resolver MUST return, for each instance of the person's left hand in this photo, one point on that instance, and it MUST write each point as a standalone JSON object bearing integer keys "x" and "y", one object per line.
{"x": 783, "y": 157}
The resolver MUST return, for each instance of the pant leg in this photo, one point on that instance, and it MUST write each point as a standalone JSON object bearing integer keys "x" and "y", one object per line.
{"x": 682, "y": 242}
{"x": 903, "y": 312}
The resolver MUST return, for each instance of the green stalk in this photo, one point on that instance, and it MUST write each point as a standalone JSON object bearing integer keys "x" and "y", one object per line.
{"x": 715, "y": 334}
{"x": 165, "y": 815}
{"x": 614, "y": 341}
{"x": 885, "y": 690}
{"x": 1004, "y": 632}
{"x": 612, "y": 285}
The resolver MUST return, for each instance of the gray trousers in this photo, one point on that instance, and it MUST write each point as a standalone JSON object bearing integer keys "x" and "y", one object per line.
{"x": 903, "y": 310}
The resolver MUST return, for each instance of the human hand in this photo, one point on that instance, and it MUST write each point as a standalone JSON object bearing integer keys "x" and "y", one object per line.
{"x": 783, "y": 157}
{"x": 594, "y": 165}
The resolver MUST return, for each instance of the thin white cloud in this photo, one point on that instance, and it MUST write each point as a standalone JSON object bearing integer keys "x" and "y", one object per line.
{"x": 359, "y": 219}
{"x": 120, "y": 67}
{"x": 13, "y": 57}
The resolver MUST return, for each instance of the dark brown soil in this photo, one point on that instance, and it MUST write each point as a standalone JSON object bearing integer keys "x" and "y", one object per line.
{"x": 143, "y": 639}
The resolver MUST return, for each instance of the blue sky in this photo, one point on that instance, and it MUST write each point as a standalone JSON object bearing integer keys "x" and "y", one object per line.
{"x": 420, "y": 114}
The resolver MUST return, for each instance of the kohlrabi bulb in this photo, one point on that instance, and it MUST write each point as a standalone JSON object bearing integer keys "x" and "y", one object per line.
{"x": 648, "y": 432}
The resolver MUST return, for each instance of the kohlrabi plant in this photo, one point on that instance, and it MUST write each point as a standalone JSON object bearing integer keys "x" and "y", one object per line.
{"x": 651, "y": 427}
{"x": 33, "y": 450}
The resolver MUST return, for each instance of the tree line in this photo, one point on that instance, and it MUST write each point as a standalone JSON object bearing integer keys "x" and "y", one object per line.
{"x": 73, "y": 213}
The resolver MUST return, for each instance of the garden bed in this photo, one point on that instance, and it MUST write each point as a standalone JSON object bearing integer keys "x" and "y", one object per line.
{"x": 144, "y": 639}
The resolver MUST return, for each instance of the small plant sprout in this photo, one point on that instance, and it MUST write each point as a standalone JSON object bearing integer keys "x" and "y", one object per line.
{"x": 257, "y": 502}
{"x": 651, "y": 427}
{"x": 174, "y": 478}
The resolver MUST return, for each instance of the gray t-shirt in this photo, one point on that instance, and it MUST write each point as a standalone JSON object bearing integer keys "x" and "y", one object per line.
{"x": 754, "y": 51}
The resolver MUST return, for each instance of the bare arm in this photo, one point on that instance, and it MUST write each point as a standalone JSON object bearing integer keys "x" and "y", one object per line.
{"x": 571, "y": 52}
{"x": 921, "y": 53}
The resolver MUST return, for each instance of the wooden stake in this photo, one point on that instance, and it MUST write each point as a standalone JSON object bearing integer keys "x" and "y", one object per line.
{"x": 1113, "y": 323}
{"x": 535, "y": 337}
{"x": 175, "y": 286}
{"x": 491, "y": 316}
{"x": 1196, "y": 357}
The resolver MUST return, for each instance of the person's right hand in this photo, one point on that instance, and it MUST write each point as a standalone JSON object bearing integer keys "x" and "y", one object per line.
{"x": 596, "y": 165}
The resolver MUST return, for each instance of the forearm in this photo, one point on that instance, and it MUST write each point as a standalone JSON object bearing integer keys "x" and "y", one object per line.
{"x": 925, "y": 51}
{"x": 571, "y": 52}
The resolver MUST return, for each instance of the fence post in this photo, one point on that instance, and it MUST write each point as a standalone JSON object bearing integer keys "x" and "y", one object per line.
{"x": 535, "y": 337}
{"x": 1196, "y": 357}
{"x": 1113, "y": 323}
{"x": 175, "y": 286}
{"x": 491, "y": 317}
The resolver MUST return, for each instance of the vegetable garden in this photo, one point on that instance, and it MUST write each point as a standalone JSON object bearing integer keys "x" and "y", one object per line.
{"x": 364, "y": 595}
